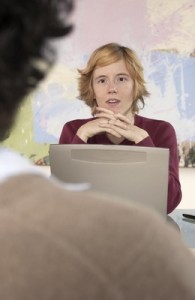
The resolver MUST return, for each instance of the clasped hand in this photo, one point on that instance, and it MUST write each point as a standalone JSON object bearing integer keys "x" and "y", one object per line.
{"x": 114, "y": 124}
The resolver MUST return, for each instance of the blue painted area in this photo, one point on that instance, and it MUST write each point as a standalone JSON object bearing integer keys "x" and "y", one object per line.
{"x": 182, "y": 69}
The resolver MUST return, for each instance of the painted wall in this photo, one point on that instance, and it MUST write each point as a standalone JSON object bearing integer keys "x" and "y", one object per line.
{"x": 163, "y": 35}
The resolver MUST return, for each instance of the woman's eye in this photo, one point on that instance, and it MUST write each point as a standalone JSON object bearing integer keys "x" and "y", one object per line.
{"x": 102, "y": 80}
{"x": 122, "y": 78}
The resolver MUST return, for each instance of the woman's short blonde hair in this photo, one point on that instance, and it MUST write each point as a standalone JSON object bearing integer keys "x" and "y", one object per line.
{"x": 106, "y": 55}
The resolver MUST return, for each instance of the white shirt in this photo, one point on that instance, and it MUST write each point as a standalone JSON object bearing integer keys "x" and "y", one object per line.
{"x": 12, "y": 163}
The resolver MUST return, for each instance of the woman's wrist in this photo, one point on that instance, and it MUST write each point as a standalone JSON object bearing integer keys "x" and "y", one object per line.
{"x": 81, "y": 134}
{"x": 141, "y": 137}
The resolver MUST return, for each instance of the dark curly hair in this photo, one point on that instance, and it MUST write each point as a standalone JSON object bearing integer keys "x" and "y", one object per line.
{"x": 26, "y": 28}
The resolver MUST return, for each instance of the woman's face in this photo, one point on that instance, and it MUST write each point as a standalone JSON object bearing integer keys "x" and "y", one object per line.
{"x": 113, "y": 87}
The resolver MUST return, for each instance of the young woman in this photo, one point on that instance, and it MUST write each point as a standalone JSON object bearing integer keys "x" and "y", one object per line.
{"x": 113, "y": 85}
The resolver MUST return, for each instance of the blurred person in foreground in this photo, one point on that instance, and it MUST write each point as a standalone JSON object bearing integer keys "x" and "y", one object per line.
{"x": 62, "y": 244}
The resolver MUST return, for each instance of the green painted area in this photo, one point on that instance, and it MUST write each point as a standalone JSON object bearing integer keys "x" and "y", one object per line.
{"x": 21, "y": 138}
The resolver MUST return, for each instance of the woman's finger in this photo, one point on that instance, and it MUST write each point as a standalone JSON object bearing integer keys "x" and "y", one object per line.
{"x": 105, "y": 116}
{"x": 123, "y": 118}
{"x": 101, "y": 109}
{"x": 110, "y": 123}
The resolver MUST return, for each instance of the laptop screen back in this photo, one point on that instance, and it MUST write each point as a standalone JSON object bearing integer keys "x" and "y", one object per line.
{"x": 135, "y": 173}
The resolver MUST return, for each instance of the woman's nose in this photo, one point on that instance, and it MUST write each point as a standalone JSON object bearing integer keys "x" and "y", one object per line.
{"x": 112, "y": 87}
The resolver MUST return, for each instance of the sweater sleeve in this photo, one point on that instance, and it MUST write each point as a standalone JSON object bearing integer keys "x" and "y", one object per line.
{"x": 68, "y": 134}
{"x": 163, "y": 136}
{"x": 174, "y": 188}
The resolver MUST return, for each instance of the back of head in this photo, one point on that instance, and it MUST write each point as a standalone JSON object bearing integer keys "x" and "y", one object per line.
{"x": 26, "y": 27}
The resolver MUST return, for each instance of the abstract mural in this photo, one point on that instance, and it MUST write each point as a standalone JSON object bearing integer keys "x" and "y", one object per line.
{"x": 163, "y": 35}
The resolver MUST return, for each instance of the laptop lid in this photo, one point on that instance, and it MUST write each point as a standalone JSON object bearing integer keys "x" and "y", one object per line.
{"x": 134, "y": 173}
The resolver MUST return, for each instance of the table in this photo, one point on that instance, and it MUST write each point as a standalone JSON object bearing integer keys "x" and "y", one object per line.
{"x": 186, "y": 226}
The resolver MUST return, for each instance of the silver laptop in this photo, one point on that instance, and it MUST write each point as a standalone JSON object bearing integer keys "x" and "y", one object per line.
{"x": 135, "y": 173}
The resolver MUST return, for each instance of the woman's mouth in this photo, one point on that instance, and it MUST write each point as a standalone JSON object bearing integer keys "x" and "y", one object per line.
{"x": 113, "y": 102}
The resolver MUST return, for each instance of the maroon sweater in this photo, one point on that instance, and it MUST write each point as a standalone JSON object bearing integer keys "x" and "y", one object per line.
{"x": 161, "y": 134}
